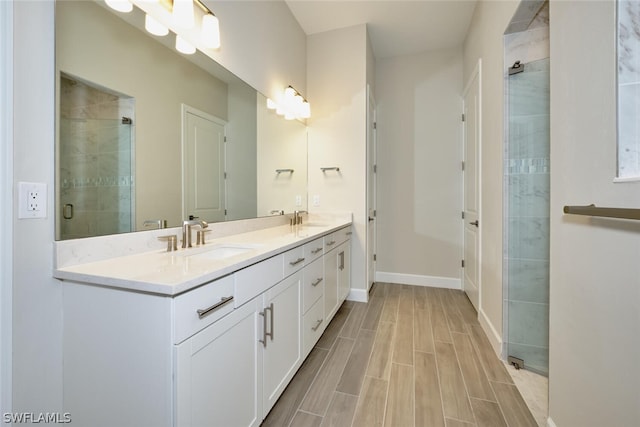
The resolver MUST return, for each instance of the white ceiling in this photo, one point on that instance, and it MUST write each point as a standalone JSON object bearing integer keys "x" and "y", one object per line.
{"x": 396, "y": 27}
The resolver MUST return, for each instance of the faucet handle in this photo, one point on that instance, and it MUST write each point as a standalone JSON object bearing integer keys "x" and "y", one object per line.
{"x": 172, "y": 242}
{"x": 200, "y": 236}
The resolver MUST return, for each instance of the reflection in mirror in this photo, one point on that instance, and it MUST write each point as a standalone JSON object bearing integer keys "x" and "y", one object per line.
{"x": 111, "y": 52}
{"x": 628, "y": 89}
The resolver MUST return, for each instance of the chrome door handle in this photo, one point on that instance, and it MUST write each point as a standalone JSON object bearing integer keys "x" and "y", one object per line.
{"x": 317, "y": 282}
{"x": 271, "y": 311}
{"x": 204, "y": 312}
{"x": 264, "y": 327}
{"x": 476, "y": 223}
{"x": 371, "y": 218}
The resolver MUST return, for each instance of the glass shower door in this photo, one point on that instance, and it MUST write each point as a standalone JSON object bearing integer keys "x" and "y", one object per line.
{"x": 527, "y": 213}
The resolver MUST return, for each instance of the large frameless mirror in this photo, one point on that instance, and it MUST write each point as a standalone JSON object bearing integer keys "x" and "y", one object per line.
{"x": 148, "y": 136}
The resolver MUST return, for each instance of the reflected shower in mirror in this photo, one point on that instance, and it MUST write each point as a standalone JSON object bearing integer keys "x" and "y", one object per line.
{"x": 112, "y": 52}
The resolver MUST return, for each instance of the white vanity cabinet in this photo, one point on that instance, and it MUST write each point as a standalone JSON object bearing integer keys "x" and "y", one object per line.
{"x": 218, "y": 373}
{"x": 336, "y": 270}
{"x": 220, "y": 354}
{"x": 281, "y": 338}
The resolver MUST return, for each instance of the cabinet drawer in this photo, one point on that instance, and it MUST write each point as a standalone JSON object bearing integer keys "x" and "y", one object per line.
{"x": 340, "y": 236}
{"x": 312, "y": 284}
{"x": 313, "y": 250}
{"x": 294, "y": 260}
{"x": 313, "y": 324}
{"x": 330, "y": 241}
{"x": 257, "y": 278}
{"x": 200, "y": 307}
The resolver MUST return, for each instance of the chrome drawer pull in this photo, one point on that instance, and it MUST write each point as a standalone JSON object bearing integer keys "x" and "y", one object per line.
{"x": 349, "y": 233}
{"x": 317, "y": 282}
{"x": 315, "y": 328}
{"x": 333, "y": 242}
{"x": 207, "y": 311}
{"x": 315, "y": 251}
{"x": 296, "y": 262}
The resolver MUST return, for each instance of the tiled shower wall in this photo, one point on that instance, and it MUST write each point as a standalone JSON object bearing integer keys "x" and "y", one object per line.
{"x": 628, "y": 89}
{"x": 526, "y": 186}
{"x": 96, "y": 161}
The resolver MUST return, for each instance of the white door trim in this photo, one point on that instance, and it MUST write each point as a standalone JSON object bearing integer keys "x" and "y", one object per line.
{"x": 477, "y": 73}
{"x": 6, "y": 199}
{"x": 371, "y": 147}
{"x": 187, "y": 109}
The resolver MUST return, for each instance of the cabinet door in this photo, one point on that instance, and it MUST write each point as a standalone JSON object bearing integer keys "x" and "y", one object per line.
{"x": 330, "y": 284}
{"x": 282, "y": 346}
{"x": 219, "y": 374}
{"x": 344, "y": 270}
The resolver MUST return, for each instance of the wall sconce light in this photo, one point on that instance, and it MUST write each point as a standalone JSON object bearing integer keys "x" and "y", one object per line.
{"x": 292, "y": 105}
{"x": 183, "y": 16}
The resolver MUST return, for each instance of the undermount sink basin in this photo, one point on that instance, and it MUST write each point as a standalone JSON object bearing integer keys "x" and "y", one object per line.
{"x": 221, "y": 251}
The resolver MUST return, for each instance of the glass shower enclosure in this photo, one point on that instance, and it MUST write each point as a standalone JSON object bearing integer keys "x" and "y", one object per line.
{"x": 526, "y": 245}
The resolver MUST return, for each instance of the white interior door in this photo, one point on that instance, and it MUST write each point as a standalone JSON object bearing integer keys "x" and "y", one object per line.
{"x": 203, "y": 171}
{"x": 471, "y": 202}
{"x": 371, "y": 188}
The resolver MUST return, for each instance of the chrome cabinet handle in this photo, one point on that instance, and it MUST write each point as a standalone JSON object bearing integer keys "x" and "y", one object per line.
{"x": 296, "y": 262}
{"x": 315, "y": 251}
{"x": 317, "y": 282}
{"x": 333, "y": 242}
{"x": 341, "y": 255}
{"x": 264, "y": 327}
{"x": 207, "y": 311}
{"x": 271, "y": 311}
{"x": 349, "y": 233}
{"x": 315, "y": 328}
{"x": 476, "y": 223}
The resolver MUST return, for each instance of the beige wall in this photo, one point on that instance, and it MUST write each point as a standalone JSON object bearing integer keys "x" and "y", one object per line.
{"x": 485, "y": 40}
{"x": 337, "y": 73}
{"x": 419, "y": 174}
{"x": 282, "y": 144}
{"x": 113, "y": 54}
{"x": 595, "y": 273}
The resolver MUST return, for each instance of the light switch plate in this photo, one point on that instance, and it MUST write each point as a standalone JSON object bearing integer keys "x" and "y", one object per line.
{"x": 32, "y": 200}
{"x": 316, "y": 200}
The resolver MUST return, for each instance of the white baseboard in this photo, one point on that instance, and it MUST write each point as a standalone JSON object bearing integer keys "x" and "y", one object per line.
{"x": 419, "y": 280}
{"x": 550, "y": 423}
{"x": 494, "y": 338}
{"x": 358, "y": 295}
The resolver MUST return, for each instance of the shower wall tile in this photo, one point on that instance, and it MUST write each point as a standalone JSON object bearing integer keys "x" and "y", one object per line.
{"x": 531, "y": 96}
{"x": 529, "y": 195}
{"x": 528, "y": 137}
{"x": 529, "y": 238}
{"x": 528, "y": 280}
{"x": 528, "y": 323}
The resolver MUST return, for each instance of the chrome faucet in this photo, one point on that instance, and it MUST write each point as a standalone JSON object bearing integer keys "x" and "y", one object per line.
{"x": 186, "y": 230}
{"x": 297, "y": 218}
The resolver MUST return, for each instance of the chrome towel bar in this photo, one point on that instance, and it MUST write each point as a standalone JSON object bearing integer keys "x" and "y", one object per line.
{"x": 593, "y": 210}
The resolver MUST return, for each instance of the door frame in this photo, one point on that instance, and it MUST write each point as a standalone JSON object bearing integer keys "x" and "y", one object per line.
{"x": 372, "y": 150}
{"x": 187, "y": 109}
{"x": 477, "y": 73}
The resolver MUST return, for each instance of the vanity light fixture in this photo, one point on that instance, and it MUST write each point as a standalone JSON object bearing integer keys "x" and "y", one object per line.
{"x": 154, "y": 27}
{"x": 120, "y": 5}
{"x": 180, "y": 15}
{"x": 184, "y": 46}
{"x": 292, "y": 105}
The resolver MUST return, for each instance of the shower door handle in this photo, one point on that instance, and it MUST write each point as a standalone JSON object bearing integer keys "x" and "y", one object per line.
{"x": 476, "y": 223}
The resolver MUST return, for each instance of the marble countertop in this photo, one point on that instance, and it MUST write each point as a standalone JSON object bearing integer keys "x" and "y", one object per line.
{"x": 172, "y": 273}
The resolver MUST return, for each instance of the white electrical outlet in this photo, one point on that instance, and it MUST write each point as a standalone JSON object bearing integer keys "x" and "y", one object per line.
{"x": 298, "y": 200}
{"x": 316, "y": 200}
{"x": 32, "y": 200}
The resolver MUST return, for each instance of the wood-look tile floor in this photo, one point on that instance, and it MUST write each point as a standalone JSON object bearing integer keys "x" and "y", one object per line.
{"x": 412, "y": 356}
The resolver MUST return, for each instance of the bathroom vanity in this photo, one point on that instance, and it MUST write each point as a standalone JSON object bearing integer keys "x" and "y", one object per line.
{"x": 205, "y": 336}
